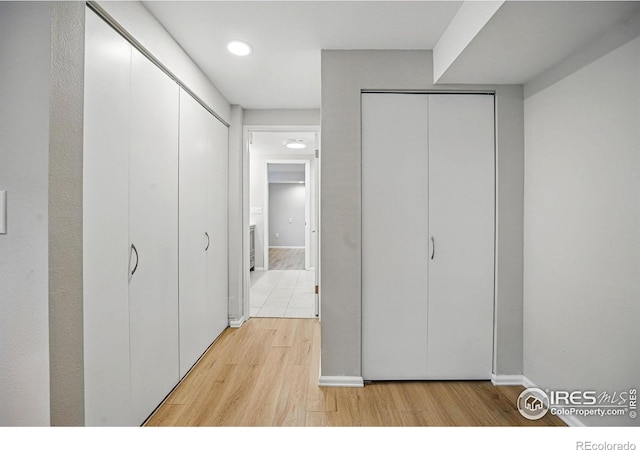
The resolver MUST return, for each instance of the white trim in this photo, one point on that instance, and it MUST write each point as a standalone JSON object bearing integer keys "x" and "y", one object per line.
{"x": 506, "y": 380}
{"x": 237, "y": 323}
{"x": 285, "y": 246}
{"x": 340, "y": 381}
{"x": 571, "y": 421}
{"x": 258, "y": 268}
{"x": 527, "y": 382}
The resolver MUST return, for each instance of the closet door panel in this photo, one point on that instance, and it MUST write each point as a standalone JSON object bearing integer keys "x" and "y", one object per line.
{"x": 153, "y": 212}
{"x": 461, "y": 221}
{"x": 394, "y": 236}
{"x": 106, "y": 224}
{"x": 217, "y": 265}
{"x": 196, "y": 329}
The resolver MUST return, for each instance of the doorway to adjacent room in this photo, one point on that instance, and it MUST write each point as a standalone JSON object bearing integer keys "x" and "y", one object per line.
{"x": 283, "y": 212}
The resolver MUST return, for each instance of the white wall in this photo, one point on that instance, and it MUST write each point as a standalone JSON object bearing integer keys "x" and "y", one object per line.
{"x": 344, "y": 75}
{"x": 582, "y": 229}
{"x": 286, "y": 214}
{"x": 25, "y": 42}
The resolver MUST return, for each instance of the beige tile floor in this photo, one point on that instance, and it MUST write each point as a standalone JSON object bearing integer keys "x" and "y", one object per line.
{"x": 283, "y": 293}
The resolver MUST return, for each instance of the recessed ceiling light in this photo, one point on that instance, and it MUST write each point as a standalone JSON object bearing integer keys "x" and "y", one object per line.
{"x": 239, "y": 48}
{"x": 295, "y": 144}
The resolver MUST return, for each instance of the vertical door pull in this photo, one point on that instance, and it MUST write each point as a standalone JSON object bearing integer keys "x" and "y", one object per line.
{"x": 433, "y": 247}
{"x": 134, "y": 249}
{"x": 208, "y": 241}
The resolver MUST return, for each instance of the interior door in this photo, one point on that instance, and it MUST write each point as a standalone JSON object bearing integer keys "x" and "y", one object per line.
{"x": 217, "y": 260}
{"x": 395, "y": 236}
{"x": 461, "y": 222}
{"x": 153, "y": 230}
{"x": 106, "y": 225}
{"x": 195, "y": 236}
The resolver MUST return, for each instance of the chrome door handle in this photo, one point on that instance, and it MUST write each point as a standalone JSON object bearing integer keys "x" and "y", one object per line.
{"x": 433, "y": 247}
{"x": 134, "y": 249}
{"x": 208, "y": 241}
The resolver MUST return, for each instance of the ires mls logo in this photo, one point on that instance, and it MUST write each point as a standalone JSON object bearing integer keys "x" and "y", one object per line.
{"x": 533, "y": 403}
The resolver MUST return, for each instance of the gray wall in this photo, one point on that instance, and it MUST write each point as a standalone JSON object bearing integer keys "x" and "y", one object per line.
{"x": 286, "y": 117}
{"x": 286, "y": 201}
{"x": 25, "y": 42}
{"x": 582, "y": 222}
{"x": 344, "y": 75}
{"x": 65, "y": 214}
{"x": 236, "y": 217}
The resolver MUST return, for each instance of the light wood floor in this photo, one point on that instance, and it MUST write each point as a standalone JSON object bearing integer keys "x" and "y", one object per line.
{"x": 286, "y": 259}
{"x": 266, "y": 374}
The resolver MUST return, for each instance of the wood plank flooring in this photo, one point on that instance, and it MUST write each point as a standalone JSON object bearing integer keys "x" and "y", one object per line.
{"x": 286, "y": 258}
{"x": 266, "y": 374}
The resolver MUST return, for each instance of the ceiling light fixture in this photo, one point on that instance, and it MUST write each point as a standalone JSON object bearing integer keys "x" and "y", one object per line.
{"x": 239, "y": 48}
{"x": 295, "y": 144}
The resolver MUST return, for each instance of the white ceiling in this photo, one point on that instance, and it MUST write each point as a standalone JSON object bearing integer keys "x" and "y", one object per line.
{"x": 522, "y": 40}
{"x": 284, "y": 70}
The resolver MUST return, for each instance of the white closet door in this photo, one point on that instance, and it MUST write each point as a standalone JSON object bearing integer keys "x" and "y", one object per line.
{"x": 394, "y": 236}
{"x": 195, "y": 309}
{"x": 106, "y": 225}
{"x": 217, "y": 264}
{"x": 461, "y": 221}
{"x": 153, "y": 212}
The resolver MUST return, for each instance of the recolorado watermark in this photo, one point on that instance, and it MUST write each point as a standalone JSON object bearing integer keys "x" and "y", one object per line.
{"x": 588, "y": 445}
{"x": 534, "y": 403}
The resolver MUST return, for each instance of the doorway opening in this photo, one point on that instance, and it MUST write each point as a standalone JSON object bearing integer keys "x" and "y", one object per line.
{"x": 283, "y": 218}
{"x": 287, "y": 215}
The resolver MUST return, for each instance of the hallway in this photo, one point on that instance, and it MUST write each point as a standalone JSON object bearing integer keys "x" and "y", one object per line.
{"x": 266, "y": 374}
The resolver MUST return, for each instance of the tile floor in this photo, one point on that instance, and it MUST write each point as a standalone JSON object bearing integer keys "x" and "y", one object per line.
{"x": 283, "y": 293}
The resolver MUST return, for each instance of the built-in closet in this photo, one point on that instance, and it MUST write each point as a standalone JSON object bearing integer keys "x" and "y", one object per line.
{"x": 203, "y": 230}
{"x": 428, "y": 209}
{"x": 154, "y": 230}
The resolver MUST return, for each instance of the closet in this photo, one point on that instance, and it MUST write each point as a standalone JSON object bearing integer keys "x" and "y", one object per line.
{"x": 144, "y": 324}
{"x": 203, "y": 233}
{"x": 428, "y": 211}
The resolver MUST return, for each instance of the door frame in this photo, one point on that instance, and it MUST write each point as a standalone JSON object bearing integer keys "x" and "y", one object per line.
{"x": 307, "y": 208}
{"x": 246, "y": 138}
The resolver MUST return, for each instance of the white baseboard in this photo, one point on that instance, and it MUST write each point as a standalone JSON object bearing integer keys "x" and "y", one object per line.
{"x": 506, "y": 380}
{"x": 237, "y": 323}
{"x": 284, "y": 246}
{"x": 527, "y": 382}
{"x": 571, "y": 421}
{"x": 340, "y": 381}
